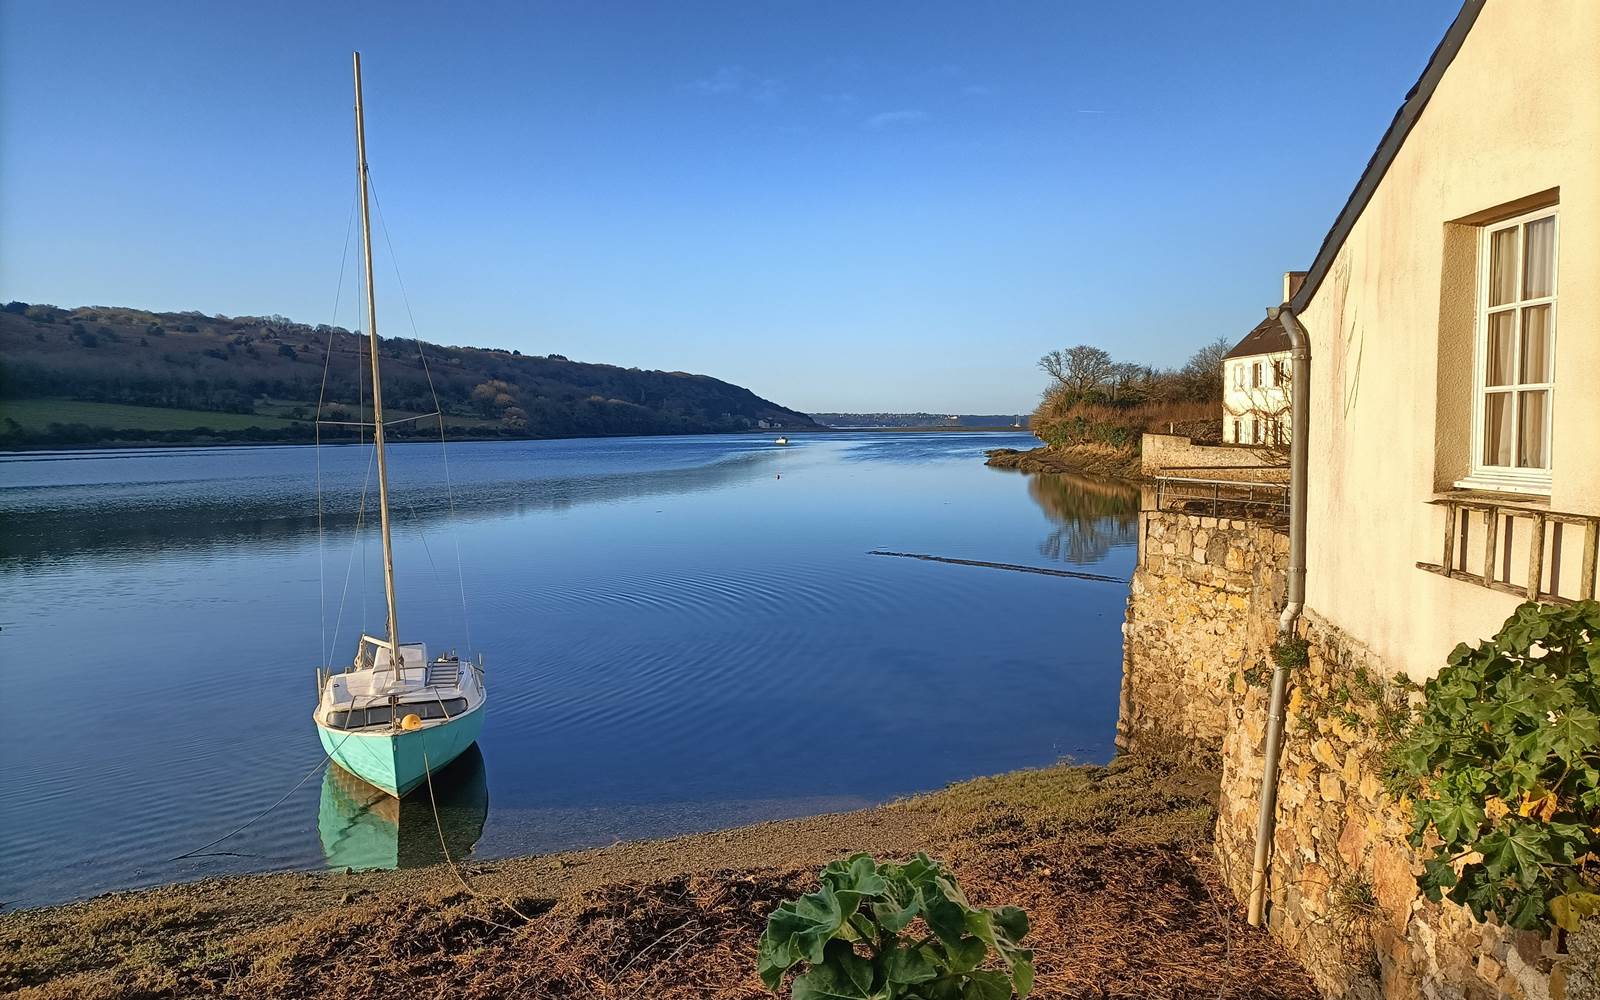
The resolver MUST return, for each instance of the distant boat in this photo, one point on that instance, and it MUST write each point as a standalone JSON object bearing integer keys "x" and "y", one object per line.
{"x": 393, "y": 716}
{"x": 782, "y": 440}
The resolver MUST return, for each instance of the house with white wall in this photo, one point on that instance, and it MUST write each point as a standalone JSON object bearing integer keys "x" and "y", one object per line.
{"x": 1255, "y": 381}
{"x": 1453, "y": 313}
{"x": 1448, "y": 408}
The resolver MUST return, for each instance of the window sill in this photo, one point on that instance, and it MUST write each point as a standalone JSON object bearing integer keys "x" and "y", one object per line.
{"x": 1523, "y": 488}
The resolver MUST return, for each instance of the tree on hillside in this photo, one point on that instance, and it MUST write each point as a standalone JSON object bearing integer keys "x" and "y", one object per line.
{"x": 1079, "y": 369}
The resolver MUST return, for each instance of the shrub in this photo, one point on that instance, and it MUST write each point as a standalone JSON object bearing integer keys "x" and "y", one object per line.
{"x": 1502, "y": 764}
{"x": 901, "y": 931}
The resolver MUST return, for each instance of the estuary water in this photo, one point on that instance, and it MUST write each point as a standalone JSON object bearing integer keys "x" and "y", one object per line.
{"x": 679, "y": 634}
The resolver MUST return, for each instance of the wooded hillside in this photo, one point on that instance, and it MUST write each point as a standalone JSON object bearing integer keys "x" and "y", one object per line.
{"x": 109, "y": 375}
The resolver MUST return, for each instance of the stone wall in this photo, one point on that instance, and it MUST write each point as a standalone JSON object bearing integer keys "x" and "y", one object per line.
{"x": 1201, "y": 611}
{"x": 1342, "y": 879}
{"x": 1159, "y": 452}
{"x": 1202, "y": 616}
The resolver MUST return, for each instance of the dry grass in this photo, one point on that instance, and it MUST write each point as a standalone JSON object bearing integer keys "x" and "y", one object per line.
{"x": 1113, "y": 864}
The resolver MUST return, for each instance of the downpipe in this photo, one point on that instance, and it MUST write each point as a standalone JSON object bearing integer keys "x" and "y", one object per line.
{"x": 1299, "y": 431}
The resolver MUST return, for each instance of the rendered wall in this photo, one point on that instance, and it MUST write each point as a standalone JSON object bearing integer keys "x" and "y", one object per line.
{"x": 1391, "y": 327}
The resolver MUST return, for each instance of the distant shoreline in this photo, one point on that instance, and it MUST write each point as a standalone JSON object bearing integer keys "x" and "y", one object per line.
{"x": 117, "y": 445}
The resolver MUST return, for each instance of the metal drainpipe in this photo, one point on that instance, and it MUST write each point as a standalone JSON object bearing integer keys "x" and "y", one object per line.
{"x": 1299, "y": 431}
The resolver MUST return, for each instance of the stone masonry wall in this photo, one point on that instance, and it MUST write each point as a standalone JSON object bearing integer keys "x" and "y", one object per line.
{"x": 1201, "y": 609}
{"x": 1342, "y": 877}
{"x": 1202, "y": 615}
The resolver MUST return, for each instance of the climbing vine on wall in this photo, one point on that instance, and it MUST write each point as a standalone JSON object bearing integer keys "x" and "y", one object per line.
{"x": 1502, "y": 765}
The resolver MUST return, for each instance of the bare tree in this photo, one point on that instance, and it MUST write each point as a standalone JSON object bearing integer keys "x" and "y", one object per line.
{"x": 1204, "y": 370}
{"x": 1079, "y": 369}
{"x": 1128, "y": 382}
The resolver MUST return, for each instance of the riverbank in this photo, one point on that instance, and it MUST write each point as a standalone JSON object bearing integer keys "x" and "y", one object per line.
{"x": 1084, "y": 459}
{"x": 1113, "y": 864}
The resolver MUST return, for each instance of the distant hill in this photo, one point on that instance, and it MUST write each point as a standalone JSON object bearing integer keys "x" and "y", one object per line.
{"x": 921, "y": 419}
{"x": 108, "y": 375}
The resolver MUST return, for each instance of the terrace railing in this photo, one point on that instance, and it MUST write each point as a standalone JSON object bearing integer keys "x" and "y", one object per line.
{"x": 1245, "y": 499}
{"x": 1517, "y": 548}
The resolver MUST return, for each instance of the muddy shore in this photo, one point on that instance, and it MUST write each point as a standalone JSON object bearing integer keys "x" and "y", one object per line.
{"x": 1085, "y": 459}
{"x": 1114, "y": 865}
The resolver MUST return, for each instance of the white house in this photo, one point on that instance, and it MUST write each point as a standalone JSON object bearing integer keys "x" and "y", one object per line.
{"x": 1255, "y": 381}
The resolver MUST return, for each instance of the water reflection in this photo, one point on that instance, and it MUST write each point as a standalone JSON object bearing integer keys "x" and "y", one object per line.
{"x": 1093, "y": 516}
{"x": 362, "y": 827}
{"x": 213, "y": 510}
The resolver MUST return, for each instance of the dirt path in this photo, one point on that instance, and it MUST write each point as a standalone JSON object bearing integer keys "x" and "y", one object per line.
{"x": 1113, "y": 865}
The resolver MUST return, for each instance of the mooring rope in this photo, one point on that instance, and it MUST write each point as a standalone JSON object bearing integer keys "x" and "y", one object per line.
{"x": 1070, "y": 574}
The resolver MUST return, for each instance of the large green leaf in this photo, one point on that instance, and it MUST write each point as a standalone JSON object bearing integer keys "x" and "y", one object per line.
{"x": 987, "y": 986}
{"x": 843, "y": 975}
{"x": 1515, "y": 849}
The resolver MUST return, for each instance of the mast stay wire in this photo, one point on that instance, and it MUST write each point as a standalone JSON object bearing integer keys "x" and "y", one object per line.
{"x": 444, "y": 448}
{"x": 322, "y": 392}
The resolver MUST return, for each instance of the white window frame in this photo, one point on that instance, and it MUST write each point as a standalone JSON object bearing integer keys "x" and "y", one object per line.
{"x": 1498, "y": 477}
{"x": 1255, "y": 375}
{"x": 1238, "y": 375}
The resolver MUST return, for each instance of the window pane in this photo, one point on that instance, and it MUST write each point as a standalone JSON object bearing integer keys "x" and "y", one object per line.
{"x": 1538, "y": 258}
{"x": 1530, "y": 429}
{"x": 1497, "y": 428}
{"x": 1536, "y": 344}
{"x": 1502, "y": 359}
{"x": 1503, "y": 266}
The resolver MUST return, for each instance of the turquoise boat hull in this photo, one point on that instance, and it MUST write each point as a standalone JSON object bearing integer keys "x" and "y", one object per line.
{"x": 397, "y": 761}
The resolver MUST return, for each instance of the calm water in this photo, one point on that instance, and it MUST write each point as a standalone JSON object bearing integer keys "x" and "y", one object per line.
{"x": 680, "y": 634}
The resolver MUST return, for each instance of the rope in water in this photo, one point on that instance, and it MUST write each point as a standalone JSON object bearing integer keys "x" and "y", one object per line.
{"x": 1070, "y": 574}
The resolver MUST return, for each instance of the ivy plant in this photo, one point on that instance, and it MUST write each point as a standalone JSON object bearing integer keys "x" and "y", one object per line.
{"x": 1502, "y": 766}
{"x": 895, "y": 932}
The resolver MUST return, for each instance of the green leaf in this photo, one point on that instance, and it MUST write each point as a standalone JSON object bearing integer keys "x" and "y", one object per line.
{"x": 1575, "y": 732}
{"x": 985, "y": 985}
{"x": 946, "y": 918}
{"x": 1012, "y": 921}
{"x": 843, "y": 975}
{"x": 1022, "y": 972}
{"x": 908, "y": 965}
{"x": 1437, "y": 875}
{"x": 1516, "y": 849}
{"x": 801, "y": 928}
{"x": 966, "y": 954}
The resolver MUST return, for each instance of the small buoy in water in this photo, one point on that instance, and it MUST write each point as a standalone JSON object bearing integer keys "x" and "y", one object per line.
{"x": 412, "y": 721}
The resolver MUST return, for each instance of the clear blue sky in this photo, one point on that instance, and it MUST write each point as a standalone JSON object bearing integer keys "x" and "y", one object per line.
{"x": 843, "y": 206}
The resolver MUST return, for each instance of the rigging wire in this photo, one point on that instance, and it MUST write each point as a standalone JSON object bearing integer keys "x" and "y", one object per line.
{"x": 444, "y": 449}
{"x": 322, "y": 392}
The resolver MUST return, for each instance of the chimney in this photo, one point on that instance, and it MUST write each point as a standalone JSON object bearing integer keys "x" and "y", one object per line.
{"x": 1292, "y": 280}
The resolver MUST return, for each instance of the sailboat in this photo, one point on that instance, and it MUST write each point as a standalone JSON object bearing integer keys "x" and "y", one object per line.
{"x": 393, "y": 716}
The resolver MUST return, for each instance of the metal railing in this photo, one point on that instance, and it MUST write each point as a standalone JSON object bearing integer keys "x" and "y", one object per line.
{"x": 1247, "y": 500}
{"x": 1502, "y": 523}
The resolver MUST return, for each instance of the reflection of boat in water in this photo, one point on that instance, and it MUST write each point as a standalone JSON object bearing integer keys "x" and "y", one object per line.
{"x": 364, "y": 827}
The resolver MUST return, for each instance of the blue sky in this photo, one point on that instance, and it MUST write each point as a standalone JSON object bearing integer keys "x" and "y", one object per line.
{"x": 843, "y": 206}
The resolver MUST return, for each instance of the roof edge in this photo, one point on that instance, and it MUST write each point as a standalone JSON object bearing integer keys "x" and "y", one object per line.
{"x": 1388, "y": 148}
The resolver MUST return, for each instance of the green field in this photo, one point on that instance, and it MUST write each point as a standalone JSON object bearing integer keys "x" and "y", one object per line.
{"x": 37, "y": 414}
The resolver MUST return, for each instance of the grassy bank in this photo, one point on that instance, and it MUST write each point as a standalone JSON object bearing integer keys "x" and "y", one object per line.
{"x": 1113, "y": 865}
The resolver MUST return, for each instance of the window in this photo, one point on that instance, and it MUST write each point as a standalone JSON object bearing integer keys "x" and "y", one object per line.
{"x": 1515, "y": 367}
{"x": 1237, "y": 437}
{"x": 1238, "y": 375}
{"x": 1255, "y": 430}
{"x": 1255, "y": 375}
{"x": 1276, "y": 375}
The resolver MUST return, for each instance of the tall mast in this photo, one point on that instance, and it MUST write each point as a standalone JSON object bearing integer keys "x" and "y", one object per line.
{"x": 377, "y": 385}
